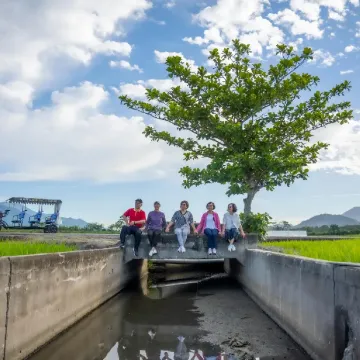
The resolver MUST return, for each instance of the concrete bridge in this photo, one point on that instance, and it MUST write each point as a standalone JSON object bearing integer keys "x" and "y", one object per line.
{"x": 196, "y": 248}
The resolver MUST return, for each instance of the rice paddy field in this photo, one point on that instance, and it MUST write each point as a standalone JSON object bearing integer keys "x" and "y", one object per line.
{"x": 331, "y": 250}
{"x": 16, "y": 248}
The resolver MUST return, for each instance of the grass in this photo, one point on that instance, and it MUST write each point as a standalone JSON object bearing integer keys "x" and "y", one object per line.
{"x": 331, "y": 250}
{"x": 16, "y": 248}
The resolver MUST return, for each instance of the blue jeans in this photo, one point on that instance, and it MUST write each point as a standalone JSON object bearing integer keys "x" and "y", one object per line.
{"x": 211, "y": 235}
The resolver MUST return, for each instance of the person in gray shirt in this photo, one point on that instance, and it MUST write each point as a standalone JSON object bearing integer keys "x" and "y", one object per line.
{"x": 182, "y": 219}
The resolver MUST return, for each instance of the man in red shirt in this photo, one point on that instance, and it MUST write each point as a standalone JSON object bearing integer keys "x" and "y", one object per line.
{"x": 135, "y": 219}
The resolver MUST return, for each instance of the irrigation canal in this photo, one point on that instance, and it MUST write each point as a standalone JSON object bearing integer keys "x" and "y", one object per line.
{"x": 182, "y": 312}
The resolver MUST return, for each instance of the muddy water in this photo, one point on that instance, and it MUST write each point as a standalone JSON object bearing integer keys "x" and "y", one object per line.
{"x": 186, "y": 315}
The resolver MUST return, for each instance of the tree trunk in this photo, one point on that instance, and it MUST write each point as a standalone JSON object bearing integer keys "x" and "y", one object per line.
{"x": 248, "y": 201}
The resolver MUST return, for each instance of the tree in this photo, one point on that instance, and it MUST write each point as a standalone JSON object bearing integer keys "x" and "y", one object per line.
{"x": 94, "y": 227}
{"x": 117, "y": 225}
{"x": 247, "y": 122}
{"x": 334, "y": 229}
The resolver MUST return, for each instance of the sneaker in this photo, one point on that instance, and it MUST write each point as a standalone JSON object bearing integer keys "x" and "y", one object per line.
{"x": 154, "y": 251}
{"x": 151, "y": 252}
{"x": 122, "y": 246}
{"x": 136, "y": 252}
{"x": 233, "y": 247}
{"x": 210, "y": 252}
{"x": 229, "y": 248}
{"x": 214, "y": 251}
{"x": 180, "y": 249}
{"x": 183, "y": 249}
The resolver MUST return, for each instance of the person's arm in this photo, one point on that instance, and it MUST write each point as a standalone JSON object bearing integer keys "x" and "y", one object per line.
{"x": 218, "y": 225}
{"x": 191, "y": 220}
{"x": 171, "y": 223}
{"x": 242, "y": 233}
{"x": 143, "y": 220}
{"x": 223, "y": 226}
{"x": 201, "y": 224}
{"x": 164, "y": 222}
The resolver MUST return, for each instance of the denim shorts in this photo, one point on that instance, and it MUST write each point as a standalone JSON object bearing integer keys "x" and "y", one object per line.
{"x": 231, "y": 234}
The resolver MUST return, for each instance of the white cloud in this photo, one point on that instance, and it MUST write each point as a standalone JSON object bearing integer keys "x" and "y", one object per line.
{"x": 323, "y": 58}
{"x": 161, "y": 57}
{"x": 125, "y": 65}
{"x": 242, "y": 19}
{"x": 343, "y": 155}
{"x": 311, "y": 9}
{"x": 357, "y": 34}
{"x": 297, "y": 25}
{"x": 334, "y": 15}
{"x": 350, "y": 48}
{"x": 138, "y": 90}
{"x": 170, "y": 4}
{"x": 332, "y": 35}
{"x": 34, "y": 36}
{"x": 344, "y": 72}
{"x": 75, "y": 140}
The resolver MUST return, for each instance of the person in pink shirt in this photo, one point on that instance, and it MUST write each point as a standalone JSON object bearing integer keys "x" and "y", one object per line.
{"x": 210, "y": 226}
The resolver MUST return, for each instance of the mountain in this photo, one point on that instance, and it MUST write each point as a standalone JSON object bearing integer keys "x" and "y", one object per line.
{"x": 328, "y": 219}
{"x": 353, "y": 213}
{"x": 15, "y": 210}
{"x": 73, "y": 222}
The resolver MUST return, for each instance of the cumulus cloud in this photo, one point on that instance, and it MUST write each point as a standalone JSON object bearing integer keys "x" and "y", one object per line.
{"x": 242, "y": 19}
{"x": 161, "y": 57}
{"x": 343, "y": 154}
{"x": 357, "y": 34}
{"x": 297, "y": 25}
{"x": 138, "y": 90}
{"x": 323, "y": 58}
{"x": 350, "y": 48}
{"x": 34, "y": 36}
{"x": 71, "y": 139}
{"x": 125, "y": 65}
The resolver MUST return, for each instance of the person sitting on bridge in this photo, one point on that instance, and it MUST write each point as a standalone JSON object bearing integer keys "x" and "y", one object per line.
{"x": 155, "y": 223}
{"x": 210, "y": 226}
{"x": 135, "y": 219}
{"x": 182, "y": 219}
{"x": 232, "y": 226}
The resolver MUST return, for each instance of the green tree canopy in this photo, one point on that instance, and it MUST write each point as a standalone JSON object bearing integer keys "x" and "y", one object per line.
{"x": 248, "y": 122}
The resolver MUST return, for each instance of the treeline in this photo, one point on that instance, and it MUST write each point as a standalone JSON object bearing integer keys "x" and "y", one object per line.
{"x": 332, "y": 230}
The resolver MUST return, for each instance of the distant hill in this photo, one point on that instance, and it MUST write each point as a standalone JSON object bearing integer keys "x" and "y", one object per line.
{"x": 353, "y": 213}
{"x": 15, "y": 210}
{"x": 328, "y": 219}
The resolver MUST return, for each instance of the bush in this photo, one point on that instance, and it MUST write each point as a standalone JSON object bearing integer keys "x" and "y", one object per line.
{"x": 256, "y": 223}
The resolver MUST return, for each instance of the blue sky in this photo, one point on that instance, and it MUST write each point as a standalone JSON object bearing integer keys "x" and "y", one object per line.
{"x": 64, "y": 134}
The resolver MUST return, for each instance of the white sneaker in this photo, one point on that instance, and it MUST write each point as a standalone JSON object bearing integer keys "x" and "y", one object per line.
{"x": 210, "y": 252}
{"x": 151, "y": 252}
{"x": 183, "y": 249}
{"x": 229, "y": 248}
{"x": 180, "y": 249}
{"x": 214, "y": 251}
{"x": 233, "y": 247}
{"x": 154, "y": 251}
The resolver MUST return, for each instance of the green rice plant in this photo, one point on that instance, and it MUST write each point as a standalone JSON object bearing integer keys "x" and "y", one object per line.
{"x": 16, "y": 248}
{"x": 331, "y": 250}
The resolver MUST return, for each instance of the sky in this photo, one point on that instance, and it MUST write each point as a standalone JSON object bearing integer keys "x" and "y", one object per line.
{"x": 65, "y": 135}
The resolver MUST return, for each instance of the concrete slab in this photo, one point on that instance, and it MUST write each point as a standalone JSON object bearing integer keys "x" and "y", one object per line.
{"x": 4, "y": 284}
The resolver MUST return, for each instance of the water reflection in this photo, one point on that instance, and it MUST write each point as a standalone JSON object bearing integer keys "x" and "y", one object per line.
{"x": 132, "y": 326}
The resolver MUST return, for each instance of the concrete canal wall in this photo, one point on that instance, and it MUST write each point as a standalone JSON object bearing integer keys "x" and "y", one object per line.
{"x": 42, "y": 295}
{"x": 316, "y": 302}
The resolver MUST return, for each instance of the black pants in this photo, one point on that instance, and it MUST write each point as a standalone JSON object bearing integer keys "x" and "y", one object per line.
{"x": 154, "y": 237}
{"x": 131, "y": 230}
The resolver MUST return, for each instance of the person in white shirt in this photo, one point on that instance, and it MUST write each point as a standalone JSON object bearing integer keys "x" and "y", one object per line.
{"x": 232, "y": 226}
